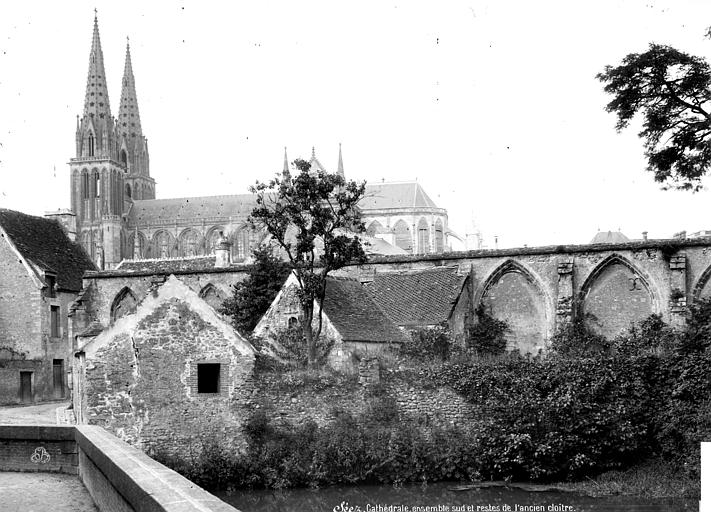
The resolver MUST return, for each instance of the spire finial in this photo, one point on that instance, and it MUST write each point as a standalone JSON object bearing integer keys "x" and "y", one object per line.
{"x": 286, "y": 163}
{"x": 313, "y": 151}
{"x": 340, "y": 171}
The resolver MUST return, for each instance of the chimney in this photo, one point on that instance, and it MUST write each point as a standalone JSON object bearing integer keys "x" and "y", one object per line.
{"x": 222, "y": 252}
{"x": 644, "y": 236}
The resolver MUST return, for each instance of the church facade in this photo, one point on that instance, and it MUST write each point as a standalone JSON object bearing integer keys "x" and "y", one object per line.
{"x": 116, "y": 216}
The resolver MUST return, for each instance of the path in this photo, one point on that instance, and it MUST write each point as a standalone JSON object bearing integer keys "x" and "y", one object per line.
{"x": 44, "y": 414}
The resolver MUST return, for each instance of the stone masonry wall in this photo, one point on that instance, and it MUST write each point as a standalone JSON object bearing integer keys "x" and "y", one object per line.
{"x": 142, "y": 385}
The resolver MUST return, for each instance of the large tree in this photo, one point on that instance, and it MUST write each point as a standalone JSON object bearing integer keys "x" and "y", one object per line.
{"x": 671, "y": 90}
{"x": 314, "y": 218}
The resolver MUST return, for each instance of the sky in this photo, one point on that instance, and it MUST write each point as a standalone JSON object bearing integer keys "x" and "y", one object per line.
{"x": 492, "y": 106}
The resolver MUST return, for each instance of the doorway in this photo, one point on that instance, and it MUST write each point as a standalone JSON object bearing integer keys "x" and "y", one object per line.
{"x": 58, "y": 378}
{"x": 26, "y": 387}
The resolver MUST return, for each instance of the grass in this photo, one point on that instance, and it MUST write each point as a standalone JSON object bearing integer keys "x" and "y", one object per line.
{"x": 651, "y": 479}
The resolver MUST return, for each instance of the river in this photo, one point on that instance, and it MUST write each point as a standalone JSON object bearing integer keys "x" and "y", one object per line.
{"x": 439, "y": 497}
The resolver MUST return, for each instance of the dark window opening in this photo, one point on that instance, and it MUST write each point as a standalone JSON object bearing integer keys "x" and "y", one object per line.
{"x": 54, "y": 321}
{"x": 91, "y": 145}
{"x": 208, "y": 377}
{"x": 51, "y": 283}
{"x": 293, "y": 322}
{"x": 124, "y": 157}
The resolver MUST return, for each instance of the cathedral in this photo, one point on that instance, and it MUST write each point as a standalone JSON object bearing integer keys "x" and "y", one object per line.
{"x": 116, "y": 216}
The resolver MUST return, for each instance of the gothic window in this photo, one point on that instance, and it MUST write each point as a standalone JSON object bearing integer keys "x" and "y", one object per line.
{"x": 375, "y": 228}
{"x": 162, "y": 245}
{"x": 240, "y": 244}
{"x": 423, "y": 237}
{"x": 403, "y": 239}
{"x": 124, "y": 304}
{"x": 124, "y": 157}
{"x": 85, "y": 184}
{"x": 212, "y": 296}
{"x": 128, "y": 190}
{"x": 91, "y": 145}
{"x": 293, "y": 322}
{"x": 211, "y": 239}
{"x": 189, "y": 243}
{"x": 97, "y": 184}
{"x": 439, "y": 236}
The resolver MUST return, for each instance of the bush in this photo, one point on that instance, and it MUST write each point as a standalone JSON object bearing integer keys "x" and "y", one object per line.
{"x": 429, "y": 343}
{"x": 488, "y": 335}
{"x": 291, "y": 347}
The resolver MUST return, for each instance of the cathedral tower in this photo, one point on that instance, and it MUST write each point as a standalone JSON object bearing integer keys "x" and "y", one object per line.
{"x": 97, "y": 172}
{"x": 133, "y": 146}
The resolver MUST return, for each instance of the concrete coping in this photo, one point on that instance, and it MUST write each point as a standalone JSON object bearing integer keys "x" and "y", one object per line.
{"x": 145, "y": 484}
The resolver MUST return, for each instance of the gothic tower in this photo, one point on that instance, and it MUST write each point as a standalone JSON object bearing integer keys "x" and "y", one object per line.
{"x": 133, "y": 146}
{"x": 97, "y": 172}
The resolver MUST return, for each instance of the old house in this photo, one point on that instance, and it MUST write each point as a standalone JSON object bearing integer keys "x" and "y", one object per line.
{"x": 416, "y": 299}
{"x": 166, "y": 374}
{"x": 351, "y": 320}
{"x": 40, "y": 275}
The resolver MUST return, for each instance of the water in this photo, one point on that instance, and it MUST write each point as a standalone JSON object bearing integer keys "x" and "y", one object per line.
{"x": 440, "y": 499}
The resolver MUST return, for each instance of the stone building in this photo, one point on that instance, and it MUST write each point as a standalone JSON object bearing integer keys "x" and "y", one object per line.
{"x": 351, "y": 320}
{"x": 165, "y": 373}
{"x": 40, "y": 276}
{"x": 117, "y": 215}
{"x": 416, "y": 299}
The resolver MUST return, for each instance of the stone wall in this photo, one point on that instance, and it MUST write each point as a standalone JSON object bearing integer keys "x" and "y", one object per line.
{"x": 140, "y": 377}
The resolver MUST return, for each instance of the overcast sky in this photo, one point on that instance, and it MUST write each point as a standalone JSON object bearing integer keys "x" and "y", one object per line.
{"x": 492, "y": 106}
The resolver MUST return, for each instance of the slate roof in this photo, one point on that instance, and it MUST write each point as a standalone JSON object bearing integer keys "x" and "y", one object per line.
{"x": 168, "y": 265}
{"x": 380, "y": 196}
{"x": 375, "y": 245}
{"x": 609, "y": 237}
{"x": 417, "y": 297}
{"x": 354, "y": 314}
{"x": 191, "y": 208}
{"x": 44, "y": 243}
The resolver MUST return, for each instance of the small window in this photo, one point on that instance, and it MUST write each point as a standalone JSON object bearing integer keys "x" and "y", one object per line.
{"x": 208, "y": 377}
{"x": 293, "y": 322}
{"x": 51, "y": 283}
{"x": 54, "y": 321}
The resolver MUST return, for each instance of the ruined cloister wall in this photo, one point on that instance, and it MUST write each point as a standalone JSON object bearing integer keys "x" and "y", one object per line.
{"x": 536, "y": 290}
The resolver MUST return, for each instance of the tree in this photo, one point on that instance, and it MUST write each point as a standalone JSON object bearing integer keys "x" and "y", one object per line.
{"x": 252, "y": 297}
{"x": 314, "y": 218}
{"x": 671, "y": 91}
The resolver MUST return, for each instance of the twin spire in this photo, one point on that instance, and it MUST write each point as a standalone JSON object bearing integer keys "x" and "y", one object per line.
{"x": 97, "y": 110}
{"x": 315, "y": 164}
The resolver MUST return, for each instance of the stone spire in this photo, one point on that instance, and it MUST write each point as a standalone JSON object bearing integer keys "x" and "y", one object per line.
{"x": 285, "y": 172}
{"x": 129, "y": 118}
{"x": 96, "y": 102}
{"x": 340, "y": 163}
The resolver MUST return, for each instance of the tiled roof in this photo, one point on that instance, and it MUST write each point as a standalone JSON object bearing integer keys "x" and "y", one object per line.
{"x": 44, "y": 243}
{"x": 417, "y": 297}
{"x": 191, "y": 208}
{"x": 168, "y": 265}
{"x": 609, "y": 237}
{"x": 375, "y": 245}
{"x": 395, "y": 195}
{"x": 355, "y": 315}
{"x": 93, "y": 329}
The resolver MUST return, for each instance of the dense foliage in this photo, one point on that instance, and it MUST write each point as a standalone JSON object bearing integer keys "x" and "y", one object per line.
{"x": 570, "y": 415}
{"x": 429, "y": 343}
{"x": 252, "y": 297}
{"x": 671, "y": 90}
{"x": 488, "y": 335}
{"x": 314, "y": 218}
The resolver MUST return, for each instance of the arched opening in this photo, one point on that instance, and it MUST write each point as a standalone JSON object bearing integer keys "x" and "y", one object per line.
{"x": 423, "y": 237}
{"x": 91, "y": 144}
{"x": 293, "y": 322}
{"x": 615, "y": 296}
{"x": 189, "y": 243}
{"x": 403, "y": 239}
{"x": 162, "y": 245}
{"x": 123, "y": 304}
{"x": 97, "y": 184}
{"x": 240, "y": 244}
{"x": 212, "y": 296}
{"x": 128, "y": 190}
{"x": 375, "y": 228}
{"x": 124, "y": 157}
{"x": 514, "y": 295}
{"x": 211, "y": 239}
{"x": 86, "y": 192}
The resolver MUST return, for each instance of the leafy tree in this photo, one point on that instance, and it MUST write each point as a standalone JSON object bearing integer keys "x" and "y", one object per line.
{"x": 670, "y": 89}
{"x": 252, "y": 297}
{"x": 488, "y": 334}
{"x": 314, "y": 218}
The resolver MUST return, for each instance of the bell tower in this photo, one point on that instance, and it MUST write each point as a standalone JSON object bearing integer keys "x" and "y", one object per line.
{"x": 96, "y": 172}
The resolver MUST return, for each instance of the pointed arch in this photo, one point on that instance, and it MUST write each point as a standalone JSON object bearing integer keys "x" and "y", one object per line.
{"x": 211, "y": 237}
{"x": 423, "y": 237}
{"x": 240, "y": 243}
{"x": 210, "y": 294}
{"x": 162, "y": 244}
{"x": 403, "y": 238}
{"x": 124, "y": 303}
{"x": 515, "y": 294}
{"x": 634, "y": 296}
{"x": 439, "y": 236}
{"x": 190, "y": 243}
{"x": 375, "y": 228}
{"x": 701, "y": 290}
